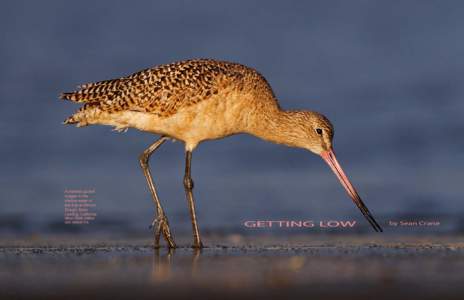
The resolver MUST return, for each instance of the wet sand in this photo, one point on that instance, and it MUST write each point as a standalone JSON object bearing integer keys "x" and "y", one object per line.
{"x": 234, "y": 266}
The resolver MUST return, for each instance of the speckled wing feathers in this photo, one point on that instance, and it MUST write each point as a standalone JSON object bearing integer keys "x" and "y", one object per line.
{"x": 165, "y": 89}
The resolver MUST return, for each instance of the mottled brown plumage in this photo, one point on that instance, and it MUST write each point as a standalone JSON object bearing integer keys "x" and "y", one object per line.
{"x": 198, "y": 100}
{"x": 165, "y": 89}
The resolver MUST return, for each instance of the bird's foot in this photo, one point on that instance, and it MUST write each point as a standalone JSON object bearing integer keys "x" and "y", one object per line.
{"x": 160, "y": 226}
{"x": 197, "y": 245}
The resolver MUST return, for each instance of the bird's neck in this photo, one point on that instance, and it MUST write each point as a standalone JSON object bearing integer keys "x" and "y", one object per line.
{"x": 280, "y": 127}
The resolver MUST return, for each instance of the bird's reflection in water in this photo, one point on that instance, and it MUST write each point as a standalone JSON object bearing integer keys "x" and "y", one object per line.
{"x": 195, "y": 259}
{"x": 163, "y": 264}
{"x": 161, "y": 267}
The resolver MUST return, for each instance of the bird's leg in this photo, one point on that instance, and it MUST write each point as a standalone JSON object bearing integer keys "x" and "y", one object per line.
{"x": 188, "y": 184}
{"x": 160, "y": 222}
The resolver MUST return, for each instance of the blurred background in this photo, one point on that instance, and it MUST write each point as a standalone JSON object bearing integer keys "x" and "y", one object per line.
{"x": 389, "y": 75}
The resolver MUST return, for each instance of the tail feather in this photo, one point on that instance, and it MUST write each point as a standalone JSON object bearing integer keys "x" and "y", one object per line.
{"x": 72, "y": 96}
{"x": 80, "y": 97}
{"x": 96, "y": 92}
{"x": 84, "y": 115}
{"x": 70, "y": 120}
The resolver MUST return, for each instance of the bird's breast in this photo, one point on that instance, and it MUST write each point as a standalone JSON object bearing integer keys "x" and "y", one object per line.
{"x": 213, "y": 118}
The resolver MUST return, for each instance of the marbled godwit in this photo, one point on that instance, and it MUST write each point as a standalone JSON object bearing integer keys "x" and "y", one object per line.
{"x": 197, "y": 100}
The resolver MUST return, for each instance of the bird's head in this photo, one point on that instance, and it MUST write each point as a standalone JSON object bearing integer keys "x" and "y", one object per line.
{"x": 319, "y": 133}
{"x": 315, "y": 133}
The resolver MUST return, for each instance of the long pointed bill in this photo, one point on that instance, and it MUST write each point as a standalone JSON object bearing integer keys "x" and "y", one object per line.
{"x": 331, "y": 160}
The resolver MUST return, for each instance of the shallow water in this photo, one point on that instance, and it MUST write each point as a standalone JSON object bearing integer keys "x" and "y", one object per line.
{"x": 233, "y": 266}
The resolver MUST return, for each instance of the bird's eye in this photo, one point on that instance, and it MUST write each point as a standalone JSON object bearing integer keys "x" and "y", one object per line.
{"x": 319, "y": 131}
